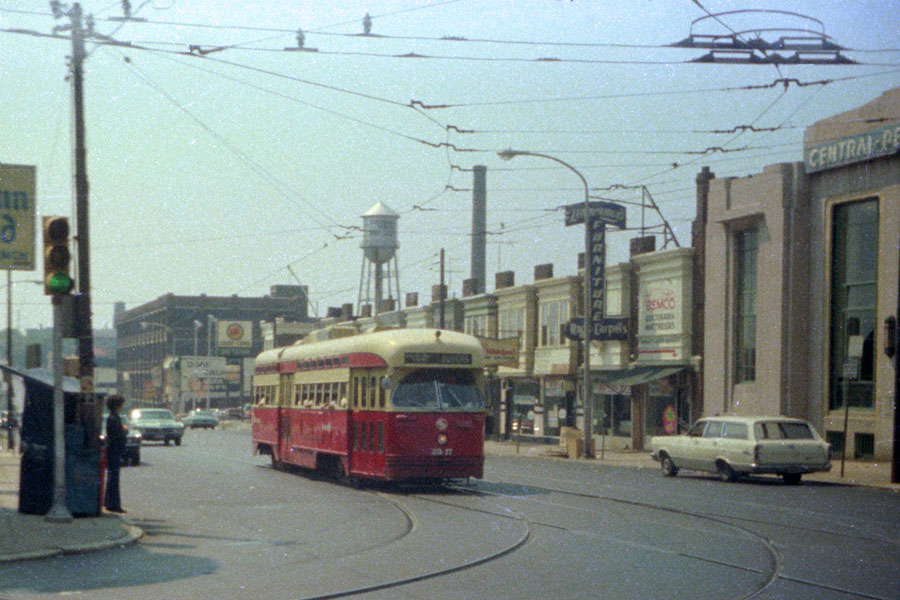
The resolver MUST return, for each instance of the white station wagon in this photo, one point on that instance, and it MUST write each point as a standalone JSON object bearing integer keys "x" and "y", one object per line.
{"x": 736, "y": 446}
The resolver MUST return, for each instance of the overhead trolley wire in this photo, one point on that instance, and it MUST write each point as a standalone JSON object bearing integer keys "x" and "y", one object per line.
{"x": 266, "y": 175}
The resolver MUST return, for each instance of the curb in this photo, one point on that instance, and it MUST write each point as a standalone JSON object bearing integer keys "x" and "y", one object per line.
{"x": 131, "y": 534}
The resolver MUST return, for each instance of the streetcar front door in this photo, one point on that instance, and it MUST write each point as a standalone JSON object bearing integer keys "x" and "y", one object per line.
{"x": 284, "y": 416}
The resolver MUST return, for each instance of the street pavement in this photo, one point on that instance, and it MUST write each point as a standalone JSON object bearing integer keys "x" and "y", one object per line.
{"x": 24, "y": 537}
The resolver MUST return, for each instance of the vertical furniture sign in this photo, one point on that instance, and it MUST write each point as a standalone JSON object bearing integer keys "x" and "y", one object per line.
{"x": 17, "y": 214}
{"x": 597, "y": 227}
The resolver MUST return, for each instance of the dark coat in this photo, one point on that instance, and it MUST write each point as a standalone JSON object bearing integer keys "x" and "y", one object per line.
{"x": 116, "y": 435}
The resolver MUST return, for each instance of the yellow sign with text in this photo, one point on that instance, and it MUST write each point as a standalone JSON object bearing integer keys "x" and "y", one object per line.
{"x": 500, "y": 353}
{"x": 17, "y": 213}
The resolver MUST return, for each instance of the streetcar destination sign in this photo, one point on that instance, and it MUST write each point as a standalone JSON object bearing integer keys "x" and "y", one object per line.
{"x": 437, "y": 358}
{"x": 608, "y": 212}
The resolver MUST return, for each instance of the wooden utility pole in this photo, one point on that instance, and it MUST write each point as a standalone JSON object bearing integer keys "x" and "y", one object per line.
{"x": 82, "y": 302}
{"x": 83, "y": 310}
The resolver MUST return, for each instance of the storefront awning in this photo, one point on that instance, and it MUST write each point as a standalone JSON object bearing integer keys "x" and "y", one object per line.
{"x": 634, "y": 376}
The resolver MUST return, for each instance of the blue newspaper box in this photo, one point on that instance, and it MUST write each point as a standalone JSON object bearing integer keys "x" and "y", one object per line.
{"x": 83, "y": 474}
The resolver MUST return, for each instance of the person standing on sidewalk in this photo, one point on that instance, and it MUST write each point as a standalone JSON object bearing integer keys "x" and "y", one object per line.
{"x": 115, "y": 448}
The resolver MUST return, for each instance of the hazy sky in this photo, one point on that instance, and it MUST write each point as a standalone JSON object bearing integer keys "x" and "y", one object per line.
{"x": 223, "y": 171}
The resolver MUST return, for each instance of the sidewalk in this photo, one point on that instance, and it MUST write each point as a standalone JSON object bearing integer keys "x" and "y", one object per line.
{"x": 30, "y": 536}
{"x": 25, "y": 537}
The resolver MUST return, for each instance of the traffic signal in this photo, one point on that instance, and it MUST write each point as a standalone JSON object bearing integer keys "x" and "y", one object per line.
{"x": 57, "y": 258}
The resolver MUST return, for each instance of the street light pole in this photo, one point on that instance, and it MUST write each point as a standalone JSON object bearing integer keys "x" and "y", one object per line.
{"x": 509, "y": 154}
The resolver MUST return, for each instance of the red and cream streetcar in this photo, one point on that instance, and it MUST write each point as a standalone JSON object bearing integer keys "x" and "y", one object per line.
{"x": 393, "y": 405}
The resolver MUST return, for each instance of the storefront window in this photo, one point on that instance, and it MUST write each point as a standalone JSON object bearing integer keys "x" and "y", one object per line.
{"x": 854, "y": 279}
{"x": 613, "y": 414}
{"x": 554, "y": 406}
{"x": 525, "y": 398}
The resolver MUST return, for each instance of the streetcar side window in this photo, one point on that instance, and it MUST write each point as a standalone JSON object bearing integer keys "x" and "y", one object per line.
{"x": 364, "y": 392}
{"x": 373, "y": 390}
{"x": 342, "y": 395}
{"x": 380, "y": 396}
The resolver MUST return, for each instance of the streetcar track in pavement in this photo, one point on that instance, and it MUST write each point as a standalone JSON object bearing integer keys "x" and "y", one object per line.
{"x": 725, "y": 520}
{"x": 776, "y": 559}
{"x": 399, "y": 582}
{"x": 775, "y": 555}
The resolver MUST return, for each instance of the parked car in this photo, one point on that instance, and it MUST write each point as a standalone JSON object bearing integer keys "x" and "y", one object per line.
{"x": 523, "y": 425}
{"x": 8, "y": 420}
{"x": 736, "y": 446}
{"x": 133, "y": 440}
{"x": 157, "y": 424}
{"x": 200, "y": 418}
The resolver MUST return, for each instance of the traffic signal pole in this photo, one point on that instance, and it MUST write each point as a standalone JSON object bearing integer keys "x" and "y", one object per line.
{"x": 82, "y": 307}
{"x": 59, "y": 510}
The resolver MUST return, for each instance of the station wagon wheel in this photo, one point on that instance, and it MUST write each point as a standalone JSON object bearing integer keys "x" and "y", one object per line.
{"x": 792, "y": 478}
{"x": 668, "y": 467}
{"x": 726, "y": 473}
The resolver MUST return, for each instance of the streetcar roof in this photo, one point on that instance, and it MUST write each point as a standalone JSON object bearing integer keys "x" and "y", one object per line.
{"x": 391, "y": 345}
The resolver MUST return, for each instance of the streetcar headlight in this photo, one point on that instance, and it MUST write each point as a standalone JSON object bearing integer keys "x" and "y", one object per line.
{"x": 442, "y": 439}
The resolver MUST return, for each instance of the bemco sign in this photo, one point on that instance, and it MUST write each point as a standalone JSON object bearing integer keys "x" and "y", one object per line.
{"x": 664, "y": 305}
{"x": 661, "y": 302}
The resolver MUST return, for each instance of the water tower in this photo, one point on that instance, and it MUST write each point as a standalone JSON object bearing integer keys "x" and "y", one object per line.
{"x": 379, "y": 246}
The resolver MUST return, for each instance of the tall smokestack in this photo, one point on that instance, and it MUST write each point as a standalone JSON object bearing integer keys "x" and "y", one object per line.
{"x": 479, "y": 227}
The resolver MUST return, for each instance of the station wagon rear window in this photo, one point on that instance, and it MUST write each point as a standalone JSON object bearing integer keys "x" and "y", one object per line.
{"x": 783, "y": 430}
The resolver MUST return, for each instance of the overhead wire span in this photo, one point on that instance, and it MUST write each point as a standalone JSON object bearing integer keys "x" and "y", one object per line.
{"x": 256, "y": 167}
{"x": 314, "y": 106}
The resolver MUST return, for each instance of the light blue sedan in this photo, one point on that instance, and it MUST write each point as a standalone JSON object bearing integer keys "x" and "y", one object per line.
{"x": 200, "y": 418}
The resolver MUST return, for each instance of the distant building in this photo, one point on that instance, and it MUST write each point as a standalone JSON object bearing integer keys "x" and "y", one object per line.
{"x": 801, "y": 279}
{"x": 182, "y": 351}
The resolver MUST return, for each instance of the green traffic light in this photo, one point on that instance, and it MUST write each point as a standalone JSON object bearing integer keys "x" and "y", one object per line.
{"x": 59, "y": 283}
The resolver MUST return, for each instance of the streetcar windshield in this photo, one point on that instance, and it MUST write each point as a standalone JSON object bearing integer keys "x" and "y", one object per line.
{"x": 438, "y": 389}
